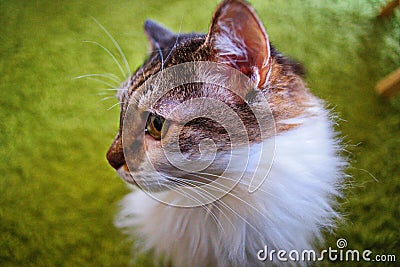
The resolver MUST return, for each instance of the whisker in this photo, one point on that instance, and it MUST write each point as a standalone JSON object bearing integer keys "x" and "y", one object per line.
{"x": 145, "y": 85}
{"x": 205, "y": 207}
{"x": 161, "y": 55}
{"x": 236, "y": 197}
{"x": 116, "y": 45}
{"x": 220, "y": 201}
{"x": 113, "y": 89}
{"x": 110, "y": 54}
{"x": 204, "y": 194}
{"x": 182, "y": 182}
{"x": 106, "y": 75}
{"x": 106, "y": 98}
{"x": 240, "y": 182}
{"x": 103, "y": 93}
{"x": 100, "y": 81}
{"x": 176, "y": 40}
{"x": 113, "y": 106}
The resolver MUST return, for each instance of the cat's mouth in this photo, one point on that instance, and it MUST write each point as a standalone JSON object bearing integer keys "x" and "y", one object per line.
{"x": 163, "y": 181}
{"x": 125, "y": 174}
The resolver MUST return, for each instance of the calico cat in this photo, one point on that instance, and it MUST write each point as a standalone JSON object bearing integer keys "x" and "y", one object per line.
{"x": 225, "y": 147}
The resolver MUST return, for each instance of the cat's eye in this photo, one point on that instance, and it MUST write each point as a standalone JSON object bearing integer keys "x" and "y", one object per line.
{"x": 154, "y": 126}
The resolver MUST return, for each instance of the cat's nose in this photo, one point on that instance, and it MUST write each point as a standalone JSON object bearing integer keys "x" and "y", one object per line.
{"x": 115, "y": 154}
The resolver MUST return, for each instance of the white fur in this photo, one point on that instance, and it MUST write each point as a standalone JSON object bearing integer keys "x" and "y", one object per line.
{"x": 289, "y": 211}
{"x": 227, "y": 43}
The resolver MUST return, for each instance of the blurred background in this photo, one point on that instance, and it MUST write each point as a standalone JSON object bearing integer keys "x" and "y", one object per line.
{"x": 59, "y": 196}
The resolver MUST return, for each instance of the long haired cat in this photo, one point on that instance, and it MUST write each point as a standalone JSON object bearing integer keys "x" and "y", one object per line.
{"x": 226, "y": 149}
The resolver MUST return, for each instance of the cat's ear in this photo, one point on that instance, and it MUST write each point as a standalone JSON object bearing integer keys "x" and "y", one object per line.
{"x": 158, "y": 36}
{"x": 239, "y": 39}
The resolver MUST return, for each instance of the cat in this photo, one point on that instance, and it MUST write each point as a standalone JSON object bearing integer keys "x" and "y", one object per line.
{"x": 278, "y": 187}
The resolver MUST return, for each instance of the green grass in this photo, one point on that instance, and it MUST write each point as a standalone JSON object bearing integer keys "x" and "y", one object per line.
{"x": 58, "y": 196}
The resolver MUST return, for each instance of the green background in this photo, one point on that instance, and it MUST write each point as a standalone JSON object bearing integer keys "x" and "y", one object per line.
{"x": 58, "y": 195}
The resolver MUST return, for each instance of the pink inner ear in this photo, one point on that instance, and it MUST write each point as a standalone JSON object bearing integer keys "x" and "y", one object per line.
{"x": 240, "y": 40}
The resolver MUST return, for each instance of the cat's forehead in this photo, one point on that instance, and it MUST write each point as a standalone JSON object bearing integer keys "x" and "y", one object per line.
{"x": 187, "y": 48}
{"x": 177, "y": 103}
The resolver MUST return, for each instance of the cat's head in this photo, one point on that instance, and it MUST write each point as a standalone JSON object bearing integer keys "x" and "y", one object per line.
{"x": 199, "y": 103}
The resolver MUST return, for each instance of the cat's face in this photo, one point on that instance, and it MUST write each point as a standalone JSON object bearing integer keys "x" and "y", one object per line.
{"x": 199, "y": 103}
